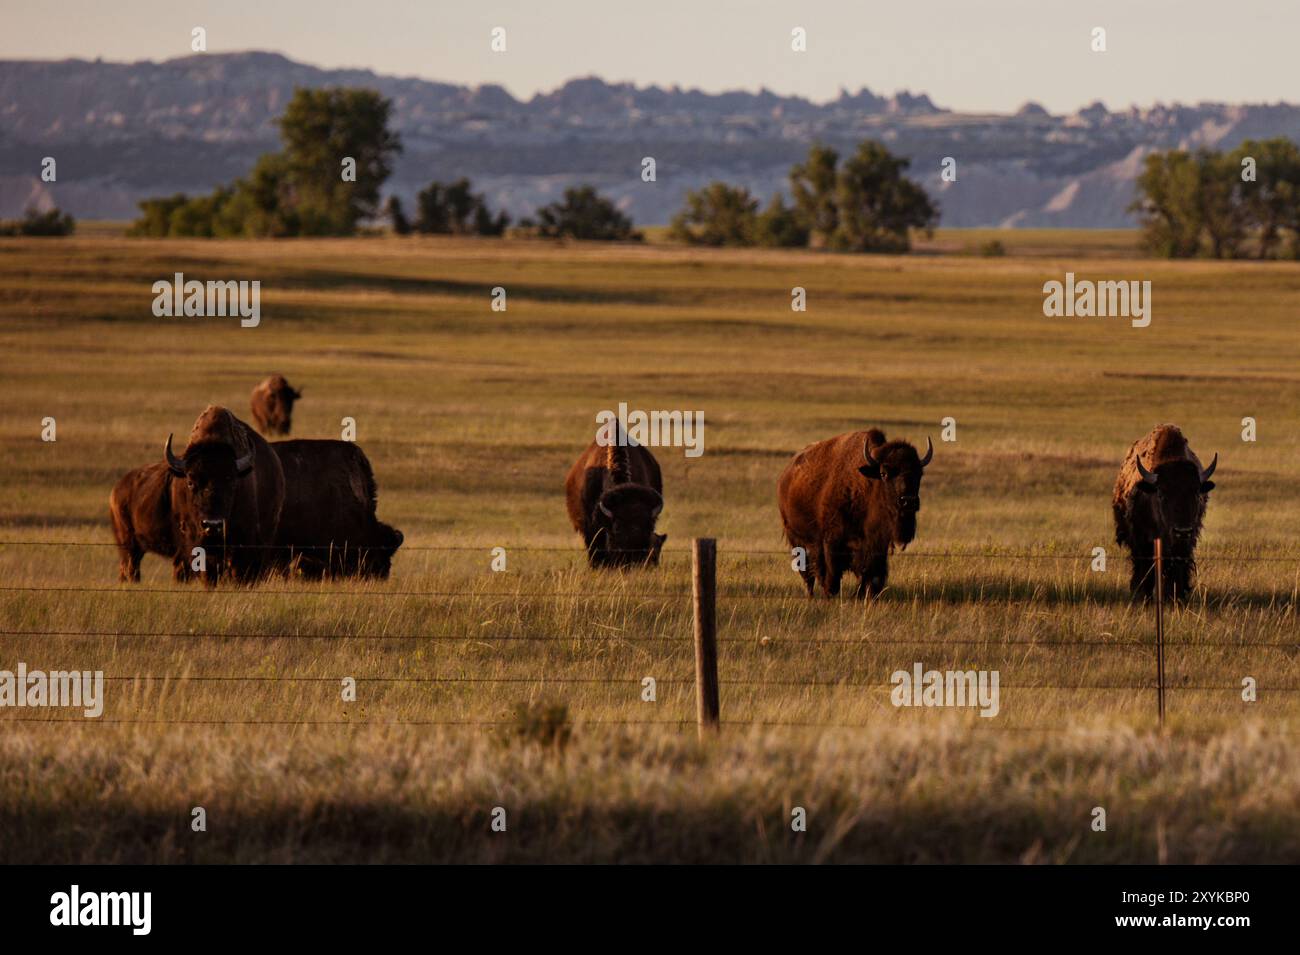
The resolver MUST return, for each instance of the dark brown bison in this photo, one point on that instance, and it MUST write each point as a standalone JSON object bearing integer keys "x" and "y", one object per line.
{"x": 328, "y": 526}
{"x": 272, "y": 405}
{"x": 140, "y": 506}
{"x": 1161, "y": 494}
{"x": 848, "y": 502}
{"x": 230, "y": 495}
{"x": 614, "y": 495}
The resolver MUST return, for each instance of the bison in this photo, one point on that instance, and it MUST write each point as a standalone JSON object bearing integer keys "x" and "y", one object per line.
{"x": 272, "y": 405}
{"x": 231, "y": 495}
{"x": 847, "y": 502}
{"x": 1163, "y": 499}
{"x": 328, "y": 526}
{"x": 140, "y": 506}
{"x": 614, "y": 493}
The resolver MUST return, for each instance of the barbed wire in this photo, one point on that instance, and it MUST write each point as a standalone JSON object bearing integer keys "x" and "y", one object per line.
{"x": 762, "y": 641}
{"x": 723, "y": 551}
{"x": 982, "y": 726}
{"x": 669, "y": 681}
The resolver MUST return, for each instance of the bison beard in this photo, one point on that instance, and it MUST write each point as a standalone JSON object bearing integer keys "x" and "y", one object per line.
{"x": 272, "y": 405}
{"x": 229, "y": 498}
{"x": 848, "y": 502}
{"x": 614, "y": 496}
{"x": 328, "y": 526}
{"x": 1162, "y": 499}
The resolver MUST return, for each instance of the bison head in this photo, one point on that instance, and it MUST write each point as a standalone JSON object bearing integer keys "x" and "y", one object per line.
{"x": 625, "y": 521}
{"x": 212, "y": 473}
{"x": 282, "y": 399}
{"x": 1178, "y": 488}
{"x": 898, "y": 468}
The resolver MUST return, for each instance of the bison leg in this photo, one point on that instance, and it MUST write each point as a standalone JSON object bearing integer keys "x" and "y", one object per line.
{"x": 1179, "y": 571}
{"x": 874, "y": 574}
{"x": 129, "y": 562}
{"x": 831, "y": 568}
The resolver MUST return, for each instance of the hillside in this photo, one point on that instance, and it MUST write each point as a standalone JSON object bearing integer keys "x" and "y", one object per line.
{"x": 123, "y": 131}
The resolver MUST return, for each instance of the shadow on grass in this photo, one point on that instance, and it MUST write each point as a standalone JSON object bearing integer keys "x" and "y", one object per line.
{"x": 1043, "y": 593}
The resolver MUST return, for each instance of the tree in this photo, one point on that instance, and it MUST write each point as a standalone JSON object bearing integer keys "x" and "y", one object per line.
{"x": 397, "y": 216}
{"x": 584, "y": 214}
{"x": 876, "y": 205}
{"x": 1169, "y": 207}
{"x": 35, "y": 223}
{"x": 718, "y": 214}
{"x": 812, "y": 186}
{"x": 1272, "y": 201}
{"x": 322, "y": 130}
{"x": 778, "y": 226}
{"x": 337, "y": 153}
{"x": 454, "y": 209}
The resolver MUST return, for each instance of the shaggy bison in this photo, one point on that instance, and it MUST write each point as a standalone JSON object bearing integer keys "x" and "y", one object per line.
{"x": 272, "y": 405}
{"x": 229, "y": 497}
{"x": 614, "y": 493}
{"x": 140, "y": 506}
{"x": 848, "y": 501}
{"x": 1163, "y": 499}
{"x": 328, "y": 526}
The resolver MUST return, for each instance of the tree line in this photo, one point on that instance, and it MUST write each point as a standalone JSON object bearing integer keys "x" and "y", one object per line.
{"x": 864, "y": 204}
{"x": 1223, "y": 205}
{"x": 338, "y": 150}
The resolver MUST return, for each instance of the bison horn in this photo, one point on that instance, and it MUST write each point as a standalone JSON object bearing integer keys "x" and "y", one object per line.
{"x": 1146, "y": 475}
{"x": 866, "y": 452}
{"x": 1205, "y": 475}
{"x": 173, "y": 462}
{"x": 929, "y": 452}
{"x": 244, "y": 465}
{"x": 604, "y": 510}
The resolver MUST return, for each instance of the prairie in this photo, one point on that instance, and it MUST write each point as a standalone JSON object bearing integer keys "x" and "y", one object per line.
{"x": 230, "y": 699}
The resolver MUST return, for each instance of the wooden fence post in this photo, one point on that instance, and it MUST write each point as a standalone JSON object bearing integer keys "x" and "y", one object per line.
{"x": 1160, "y": 631}
{"x": 704, "y": 573}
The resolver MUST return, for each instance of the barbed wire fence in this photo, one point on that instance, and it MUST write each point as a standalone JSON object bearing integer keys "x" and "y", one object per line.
{"x": 704, "y": 640}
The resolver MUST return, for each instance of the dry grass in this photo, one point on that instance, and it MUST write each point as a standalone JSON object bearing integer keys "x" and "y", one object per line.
{"x": 471, "y": 419}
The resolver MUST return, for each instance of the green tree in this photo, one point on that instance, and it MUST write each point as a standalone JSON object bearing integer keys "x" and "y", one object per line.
{"x": 877, "y": 205}
{"x": 1272, "y": 200}
{"x": 718, "y": 214}
{"x": 1169, "y": 207}
{"x": 778, "y": 226}
{"x": 322, "y": 129}
{"x": 397, "y": 216}
{"x": 49, "y": 223}
{"x": 813, "y": 191}
{"x": 454, "y": 209}
{"x": 584, "y": 214}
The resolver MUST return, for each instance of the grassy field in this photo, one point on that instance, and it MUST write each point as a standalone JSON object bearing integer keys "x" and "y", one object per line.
{"x": 230, "y": 699}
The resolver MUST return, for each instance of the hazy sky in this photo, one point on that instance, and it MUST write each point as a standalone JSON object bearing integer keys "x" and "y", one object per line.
{"x": 967, "y": 54}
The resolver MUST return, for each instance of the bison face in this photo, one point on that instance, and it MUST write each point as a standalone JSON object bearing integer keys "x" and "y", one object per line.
{"x": 625, "y": 520}
{"x": 284, "y": 399}
{"x": 898, "y": 470}
{"x": 212, "y": 474}
{"x": 1177, "y": 489}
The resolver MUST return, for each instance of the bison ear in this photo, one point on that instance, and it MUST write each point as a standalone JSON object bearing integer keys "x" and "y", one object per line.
{"x": 1207, "y": 487}
{"x": 1146, "y": 487}
{"x": 870, "y": 471}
